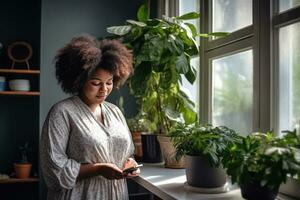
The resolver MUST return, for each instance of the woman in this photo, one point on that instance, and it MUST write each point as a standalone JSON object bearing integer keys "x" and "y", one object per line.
{"x": 85, "y": 142}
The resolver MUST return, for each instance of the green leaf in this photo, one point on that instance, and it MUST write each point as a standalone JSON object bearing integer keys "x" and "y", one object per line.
{"x": 219, "y": 34}
{"x": 174, "y": 45}
{"x": 138, "y": 81}
{"x": 263, "y": 183}
{"x": 182, "y": 64}
{"x": 189, "y": 115}
{"x": 193, "y": 29}
{"x": 216, "y": 34}
{"x": 203, "y": 35}
{"x": 119, "y": 30}
{"x": 191, "y": 74}
{"x": 169, "y": 77}
{"x": 152, "y": 49}
{"x": 132, "y": 36}
{"x": 143, "y": 13}
{"x": 133, "y": 22}
{"x": 154, "y": 22}
{"x": 190, "y": 15}
{"x": 173, "y": 114}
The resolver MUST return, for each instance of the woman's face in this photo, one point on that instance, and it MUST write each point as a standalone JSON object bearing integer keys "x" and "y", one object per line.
{"x": 98, "y": 87}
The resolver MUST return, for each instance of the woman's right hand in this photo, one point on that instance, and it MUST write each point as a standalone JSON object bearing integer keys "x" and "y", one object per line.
{"x": 110, "y": 171}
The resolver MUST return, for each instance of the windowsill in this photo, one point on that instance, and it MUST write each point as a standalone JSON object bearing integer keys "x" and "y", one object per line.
{"x": 291, "y": 188}
{"x": 168, "y": 184}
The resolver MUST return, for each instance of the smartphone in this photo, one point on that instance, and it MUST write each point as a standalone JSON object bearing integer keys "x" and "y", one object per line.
{"x": 132, "y": 169}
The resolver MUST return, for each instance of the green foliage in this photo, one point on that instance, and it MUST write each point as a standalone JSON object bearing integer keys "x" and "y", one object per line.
{"x": 143, "y": 13}
{"x": 138, "y": 123}
{"x": 263, "y": 158}
{"x": 162, "y": 50}
{"x": 207, "y": 141}
{"x": 24, "y": 150}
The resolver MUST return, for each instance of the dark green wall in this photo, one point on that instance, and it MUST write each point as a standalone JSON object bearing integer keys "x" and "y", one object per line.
{"x": 62, "y": 20}
{"x": 20, "y": 21}
{"x": 19, "y": 115}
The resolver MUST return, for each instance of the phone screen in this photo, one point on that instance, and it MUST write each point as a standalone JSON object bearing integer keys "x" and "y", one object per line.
{"x": 132, "y": 169}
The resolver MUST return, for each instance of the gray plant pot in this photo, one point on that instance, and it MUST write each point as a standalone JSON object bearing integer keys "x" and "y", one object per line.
{"x": 200, "y": 174}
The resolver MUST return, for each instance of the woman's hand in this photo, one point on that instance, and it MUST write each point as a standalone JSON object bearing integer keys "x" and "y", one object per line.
{"x": 130, "y": 162}
{"x": 110, "y": 171}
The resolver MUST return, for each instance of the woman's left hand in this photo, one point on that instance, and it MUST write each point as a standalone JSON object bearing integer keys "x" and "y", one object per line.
{"x": 130, "y": 162}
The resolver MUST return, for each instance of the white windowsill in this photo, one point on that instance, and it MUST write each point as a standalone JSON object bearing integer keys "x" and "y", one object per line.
{"x": 168, "y": 184}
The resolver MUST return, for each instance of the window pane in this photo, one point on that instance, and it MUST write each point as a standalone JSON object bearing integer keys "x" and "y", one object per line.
{"x": 232, "y": 91}
{"x": 190, "y": 6}
{"x": 289, "y": 77}
{"x": 288, "y": 4}
{"x": 231, "y": 15}
{"x": 191, "y": 90}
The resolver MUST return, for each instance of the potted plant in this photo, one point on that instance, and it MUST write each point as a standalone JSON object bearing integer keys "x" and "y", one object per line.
{"x": 23, "y": 168}
{"x": 261, "y": 162}
{"x": 139, "y": 128}
{"x": 162, "y": 50}
{"x": 203, "y": 148}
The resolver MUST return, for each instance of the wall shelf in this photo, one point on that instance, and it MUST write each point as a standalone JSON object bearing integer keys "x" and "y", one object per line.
{"x": 24, "y": 93}
{"x": 19, "y": 71}
{"x": 18, "y": 180}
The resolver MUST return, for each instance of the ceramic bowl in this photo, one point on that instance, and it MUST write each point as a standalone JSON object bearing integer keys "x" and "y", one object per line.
{"x": 19, "y": 85}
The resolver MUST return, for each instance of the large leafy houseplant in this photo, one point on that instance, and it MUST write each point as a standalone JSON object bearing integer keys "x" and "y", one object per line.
{"x": 162, "y": 50}
{"x": 203, "y": 148}
{"x": 261, "y": 162}
{"x": 207, "y": 141}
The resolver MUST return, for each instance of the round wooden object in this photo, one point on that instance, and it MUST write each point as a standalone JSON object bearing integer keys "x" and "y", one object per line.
{"x": 19, "y": 52}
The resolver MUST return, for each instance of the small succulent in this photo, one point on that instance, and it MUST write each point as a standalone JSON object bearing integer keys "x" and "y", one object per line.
{"x": 24, "y": 150}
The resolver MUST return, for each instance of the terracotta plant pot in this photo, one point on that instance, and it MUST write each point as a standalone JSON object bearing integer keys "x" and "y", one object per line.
{"x": 22, "y": 170}
{"x": 137, "y": 141}
{"x": 169, "y": 153}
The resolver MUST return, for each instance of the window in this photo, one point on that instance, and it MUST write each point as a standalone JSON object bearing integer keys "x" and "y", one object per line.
{"x": 289, "y": 77}
{"x": 231, "y": 15}
{"x": 232, "y": 91}
{"x": 288, "y": 4}
{"x": 260, "y": 58}
{"x": 191, "y": 90}
{"x": 228, "y": 68}
{"x": 250, "y": 80}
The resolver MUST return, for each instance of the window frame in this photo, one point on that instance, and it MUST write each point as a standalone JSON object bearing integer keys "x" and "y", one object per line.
{"x": 263, "y": 37}
{"x": 238, "y": 40}
{"x": 206, "y": 76}
{"x": 280, "y": 20}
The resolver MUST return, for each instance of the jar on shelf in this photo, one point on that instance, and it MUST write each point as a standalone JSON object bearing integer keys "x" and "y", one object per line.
{"x": 2, "y": 83}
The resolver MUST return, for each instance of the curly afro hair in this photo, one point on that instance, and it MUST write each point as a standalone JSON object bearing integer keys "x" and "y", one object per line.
{"x": 78, "y": 59}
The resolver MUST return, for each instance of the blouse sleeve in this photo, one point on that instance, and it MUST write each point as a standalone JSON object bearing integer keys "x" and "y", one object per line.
{"x": 59, "y": 171}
